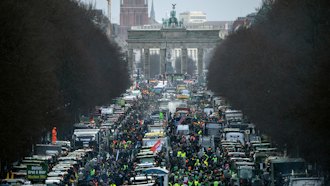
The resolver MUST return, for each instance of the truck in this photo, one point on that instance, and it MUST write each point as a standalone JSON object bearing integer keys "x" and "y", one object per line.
{"x": 233, "y": 134}
{"x": 290, "y": 171}
{"x": 313, "y": 181}
{"x": 213, "y": 129}
{"x": 86, "y": 138}
{"x": 233, "y": 116}
{"x": 245, "y": 173}
{"x": 163, "y": 104}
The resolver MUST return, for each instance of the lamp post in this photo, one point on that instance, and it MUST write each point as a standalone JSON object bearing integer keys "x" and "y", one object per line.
{"x": 165, "y": 60}
{"x": 167, "y": 57}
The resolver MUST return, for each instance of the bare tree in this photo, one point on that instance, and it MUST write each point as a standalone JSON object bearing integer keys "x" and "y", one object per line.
{"x": 276, "y": 71}
{"x": 55, "y": 63}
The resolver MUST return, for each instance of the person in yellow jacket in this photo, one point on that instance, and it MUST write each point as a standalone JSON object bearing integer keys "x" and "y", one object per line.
{"x": 10, "y": 175}
{"x": 72, "y": 180}
{"x": 92, "y": 172}
{"x": 197, "y": 162}
{"x": 183, "y": 154}
{"x": 206, "y": 163}
{"x": 179, "y": 154}
{"x": 196, "y": 183}
{"x": 215, "y": 159}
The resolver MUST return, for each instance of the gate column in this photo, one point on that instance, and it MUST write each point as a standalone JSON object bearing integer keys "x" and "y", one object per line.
{"x": 184, "y": 60}
{"x": 200, "y": 61}
{"x": 142, "y": 60}
{"x": 162, "y": 54}
{"x": 146, "y": 63}
{"x": 130, "y": 61}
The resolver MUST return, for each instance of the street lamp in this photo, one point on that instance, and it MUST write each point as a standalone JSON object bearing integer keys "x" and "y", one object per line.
{"x": 165, "y": 66}
{"x": 167, "y": 56}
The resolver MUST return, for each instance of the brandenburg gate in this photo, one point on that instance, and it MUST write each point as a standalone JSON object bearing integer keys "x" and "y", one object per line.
{"x": 171, "y": 35}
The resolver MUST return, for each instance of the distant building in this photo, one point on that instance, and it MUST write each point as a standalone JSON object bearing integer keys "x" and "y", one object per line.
{"x": 181, "y": 47}
{"x": 243, "y": 22}
{"x": 115, "y": 29}
{"x": 192, "y": 17}
{"x": 222, "y": 25}
{"x": 132, "y": 13}
{"x": 152, "y": 18}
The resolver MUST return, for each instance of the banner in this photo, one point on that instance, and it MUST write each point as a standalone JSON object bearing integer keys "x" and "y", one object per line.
{"x": 36, "y": 172}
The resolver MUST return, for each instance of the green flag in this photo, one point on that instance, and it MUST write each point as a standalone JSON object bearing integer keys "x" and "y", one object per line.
{"x": 161, "y": 116}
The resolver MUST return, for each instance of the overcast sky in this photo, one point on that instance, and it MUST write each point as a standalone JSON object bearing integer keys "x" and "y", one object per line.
{"x": 216, "y": 10}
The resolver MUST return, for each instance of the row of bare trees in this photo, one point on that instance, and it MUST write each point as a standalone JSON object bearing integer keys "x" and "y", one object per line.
{"x": 55, "y": 64}
{"x": 277, "y": 72}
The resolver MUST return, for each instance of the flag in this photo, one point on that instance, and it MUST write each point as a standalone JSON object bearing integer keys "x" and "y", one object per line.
{"x": 181, "y": 120}
{"x": 117, "y": 156}
{"x": 156, "y": 146}
{"x": 161, "y": 116}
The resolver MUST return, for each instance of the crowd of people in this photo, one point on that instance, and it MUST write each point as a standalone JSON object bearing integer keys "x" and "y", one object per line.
{"x": 115, "y": 164}
{"x": 193, "y": 164}
{"x": 188, "y": 161}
